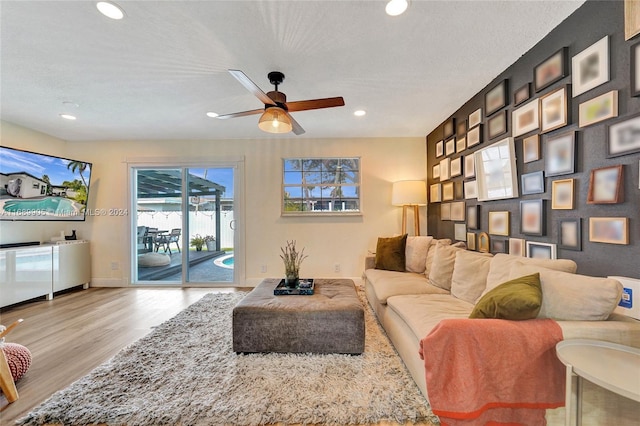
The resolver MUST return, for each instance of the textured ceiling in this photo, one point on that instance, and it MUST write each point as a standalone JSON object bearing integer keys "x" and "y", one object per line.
{"x": 154, "y": 74}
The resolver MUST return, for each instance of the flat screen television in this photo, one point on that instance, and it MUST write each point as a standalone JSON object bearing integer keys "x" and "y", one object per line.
{"x": 42, "y": 187}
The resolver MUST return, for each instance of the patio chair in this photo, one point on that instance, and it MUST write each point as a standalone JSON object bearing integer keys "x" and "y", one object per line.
{"x": 174, "y": 237}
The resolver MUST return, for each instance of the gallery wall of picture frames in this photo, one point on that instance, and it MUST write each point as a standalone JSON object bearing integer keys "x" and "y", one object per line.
{"x": 570, "y": 186}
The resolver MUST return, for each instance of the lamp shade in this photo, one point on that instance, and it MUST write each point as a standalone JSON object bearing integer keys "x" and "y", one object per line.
{"x": 409, "y": 193}
{"x": 275, "y": 120}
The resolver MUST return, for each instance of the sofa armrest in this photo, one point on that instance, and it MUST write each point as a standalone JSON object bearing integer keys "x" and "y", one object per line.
{"x": 369, "y": 262}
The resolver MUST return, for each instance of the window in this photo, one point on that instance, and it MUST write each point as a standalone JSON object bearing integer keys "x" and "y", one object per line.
{"x": 321, "y": 186}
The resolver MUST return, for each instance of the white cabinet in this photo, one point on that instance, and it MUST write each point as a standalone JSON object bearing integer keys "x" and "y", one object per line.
{"x": 34, "y": 271}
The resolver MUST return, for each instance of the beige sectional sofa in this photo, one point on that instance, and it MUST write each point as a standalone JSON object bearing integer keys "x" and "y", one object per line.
{"x": 443, "y": 281}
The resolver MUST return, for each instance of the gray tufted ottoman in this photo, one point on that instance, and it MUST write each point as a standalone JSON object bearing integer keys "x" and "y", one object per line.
{"x": 329, "y": 321}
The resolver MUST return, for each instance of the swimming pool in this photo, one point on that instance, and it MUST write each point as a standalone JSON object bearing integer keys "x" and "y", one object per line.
{"x": 58, "y": 206}
{"x": 225, "y": 261}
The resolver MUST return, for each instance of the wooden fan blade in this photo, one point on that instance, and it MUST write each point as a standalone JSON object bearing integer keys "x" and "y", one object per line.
{"x": 251, "y": 86}
{"x": 241, "y": 114}
{"x": 315, "y": 104}
{"x": 296, "y": 127}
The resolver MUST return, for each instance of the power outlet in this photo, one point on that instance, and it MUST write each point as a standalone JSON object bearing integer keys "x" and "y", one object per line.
{"x": 263, "y": 269}
{"x": 336, "y": 267}
{"x": 115, "y": 266}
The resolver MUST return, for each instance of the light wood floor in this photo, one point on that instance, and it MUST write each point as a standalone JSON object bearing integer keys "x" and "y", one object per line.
{"x": 75, "y": 332}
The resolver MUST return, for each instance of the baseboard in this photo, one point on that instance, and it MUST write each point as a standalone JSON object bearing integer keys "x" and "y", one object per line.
{"x": 108, "y": 282}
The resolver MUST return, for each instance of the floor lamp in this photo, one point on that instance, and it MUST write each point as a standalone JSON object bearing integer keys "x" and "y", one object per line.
{"x": 409, "y": 193}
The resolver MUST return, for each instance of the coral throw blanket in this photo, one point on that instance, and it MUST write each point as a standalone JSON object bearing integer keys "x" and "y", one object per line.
{"x": 492, "y": 371}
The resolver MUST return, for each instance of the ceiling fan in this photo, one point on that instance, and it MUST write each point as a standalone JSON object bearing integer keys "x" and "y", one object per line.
{"x": 275, "y": 114}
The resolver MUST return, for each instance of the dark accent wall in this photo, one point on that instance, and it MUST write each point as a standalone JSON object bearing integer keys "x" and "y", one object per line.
{"x": 590, "y": 23}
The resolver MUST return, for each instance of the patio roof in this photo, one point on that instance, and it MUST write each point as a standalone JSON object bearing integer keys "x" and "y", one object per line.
{"x": 168, "y": 183}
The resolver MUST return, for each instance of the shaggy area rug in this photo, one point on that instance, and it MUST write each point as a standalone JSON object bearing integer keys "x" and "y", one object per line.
{"x": 185, "y": 372}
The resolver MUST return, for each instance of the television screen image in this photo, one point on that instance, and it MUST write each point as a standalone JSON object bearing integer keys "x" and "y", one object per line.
{"x": 42, "y": 187}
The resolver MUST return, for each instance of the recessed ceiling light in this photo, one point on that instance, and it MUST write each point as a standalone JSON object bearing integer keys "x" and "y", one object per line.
{"x": 110, "y": 10}
{"x": 359, "y": 113}
{"x": 70, "y": 104}
{"x": 212, "y": 114}
{"x": 396, "y": 7}
{"x": 68, "y": 116}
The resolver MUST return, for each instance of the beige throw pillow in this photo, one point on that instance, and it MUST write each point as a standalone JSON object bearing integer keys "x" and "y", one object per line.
{"x": 432, "y": 252}
{"x": 574, "y": 297}
{"x": 416, "y": 253}
{"x": 442, "y": 267}
{"x": 469, "y": 278}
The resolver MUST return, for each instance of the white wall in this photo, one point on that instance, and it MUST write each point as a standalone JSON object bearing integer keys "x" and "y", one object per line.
{"x": 328, "y": 240}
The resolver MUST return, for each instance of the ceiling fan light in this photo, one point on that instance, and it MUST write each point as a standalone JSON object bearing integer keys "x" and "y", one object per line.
{"x": 110, "y": 10}
{"x": 274, "y": 120}
{"x": 396, "y": 7}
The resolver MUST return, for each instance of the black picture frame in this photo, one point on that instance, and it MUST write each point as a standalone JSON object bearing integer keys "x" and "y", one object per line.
{"x": 560, "y": 154}
{"x": 449, "y": 128}
{"x": 635, "y": 69}
{"x": 497, "y": 97}
{"x": 532, "y": 217}
{"x": 499, "y": 245}
{"x": 630, "y": 125}
{"x": 522, "y": 94}
{"x": 473, "y": 217}
{"x": 498, "y": 125}
{"x": 570, "y": 234}
{"x": 532, "y": 183}
{"x": 461, "y": 128}
{"x": 551, "y": 70}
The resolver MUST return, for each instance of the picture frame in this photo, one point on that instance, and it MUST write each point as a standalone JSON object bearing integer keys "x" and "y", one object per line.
{"x": 460, "y": 231}
{"x": 471, "y": 240}
{"x": 562, "y": 194}
{"x": 623, "y": 136}
{"x": 474, "y": 136}
{"x": 473, "y": 217}
{"x": 449, "y": 128}
{"x": 497, "y": 156}
{"x": 470, "y": 189}
{"x": 483, "y": 242}
{"x": 531, "y": 148}
{"x": 551, "y": 70}
{"x": 522, "y": 94}
{"x": 455, "y": 167}
{"x": 461, "y": 144}
{"x": 606, "y": 185}
{"x": 499, "y": 245}
{"x": 560, "y": 154}
{"x": 570, "y": 234}
{"x": 469, "y": 166}
{"x": 526, "y": 118}
{"x": 444, "y": 169}
{"x": 635, "y": 70}
{"x": 475, "y": 118}
{"x": 435, "y": 193}
{"x": 461, "y": 128}
{"x": 435, "y": 171}
{"x": 554, "y": 112}
{"x": 458, "y": 211}
{"x": 450, "y": 147}
{"x": 590, "y": 67}
{"x": 445, "y": 211}
{"x": 517, "y": 247}
{"x": 532, "y": 217}
{"x": 537, "y": 250}
{"x": 598, "y": 109}
{"x": 439, "y": 149}
{"x": 532, "y": 183}
{"x": 497, "y": 97}
{"x": 499, "y": 223}
{"x": 610, "y": 230}
{"x": 447, "y": 191}
{"x": 631, "y": 19}
{"x": 497, "y": 125}
{"x": 458, "y": 191}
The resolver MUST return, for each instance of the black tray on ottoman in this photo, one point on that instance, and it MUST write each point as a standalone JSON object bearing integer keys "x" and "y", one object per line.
{"x": 305, "y": 287}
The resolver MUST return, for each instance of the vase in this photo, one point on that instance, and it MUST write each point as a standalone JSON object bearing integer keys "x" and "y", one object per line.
{"x": 291, "y": 281}
{"x": 211, "y": 245}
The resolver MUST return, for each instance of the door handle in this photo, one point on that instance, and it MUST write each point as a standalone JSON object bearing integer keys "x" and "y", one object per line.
{"x": 232, "y": 224}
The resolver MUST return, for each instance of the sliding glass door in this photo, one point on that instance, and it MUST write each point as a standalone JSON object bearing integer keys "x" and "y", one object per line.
{"x": 184, "y": 225}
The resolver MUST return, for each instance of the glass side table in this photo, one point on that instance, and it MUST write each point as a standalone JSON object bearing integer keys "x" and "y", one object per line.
{"x": 609, "y": 365}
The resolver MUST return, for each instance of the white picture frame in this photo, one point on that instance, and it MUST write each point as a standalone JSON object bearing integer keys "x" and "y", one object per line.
{"x": 590, "y": 68}
{"x": 435, "y": 171}
{"x": 470, "y": 189}
{"x": 455, "y": 167}
{"x": 444, "y": 169}
{"x": 554, "y": 111}
{"x": 526, "y": 118}
{"x": 537, "y": 250}
{"x": 469, "y": 166}
{"x": 500, "y": 156}
{"x": 435, "y": 193}
{"x": 475, "y": 118}
{"x": 474, "y": 136}
{"x": 598, "y": 109}
{"x": 460, "y": 232}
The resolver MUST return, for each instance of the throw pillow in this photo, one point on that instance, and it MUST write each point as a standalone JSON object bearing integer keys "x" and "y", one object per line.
{"x": 390, "y": 253}
{"x": 572, "y": 296}
{"x": 469, "y": 277}
{"x": 442, "y": 267}
{"x": 416, "y": 253}
{"x": 518, "y": 299}
{"x": 431, "y": 252}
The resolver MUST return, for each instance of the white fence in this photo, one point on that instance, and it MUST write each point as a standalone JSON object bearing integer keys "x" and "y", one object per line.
{"x": 202, "y": 223}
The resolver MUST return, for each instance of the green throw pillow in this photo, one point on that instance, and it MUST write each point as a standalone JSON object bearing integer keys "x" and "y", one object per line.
{"x": 390, "y": 254}
{"x": 518, "y": 299}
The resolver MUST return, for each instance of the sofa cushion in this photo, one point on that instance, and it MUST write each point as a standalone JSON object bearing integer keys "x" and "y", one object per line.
{"x": 389, "y": 283}
{"x": 432, "y": 252}
{"x": 469, "y": 277}
{"x": 568, "y": 296}
{"x": 442, "y": 267}
{"x": 518, "y": 299}
{"x": 390, "y": 253}
{"x": 500, "y": 267}
{"x": 416, "y": 253}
